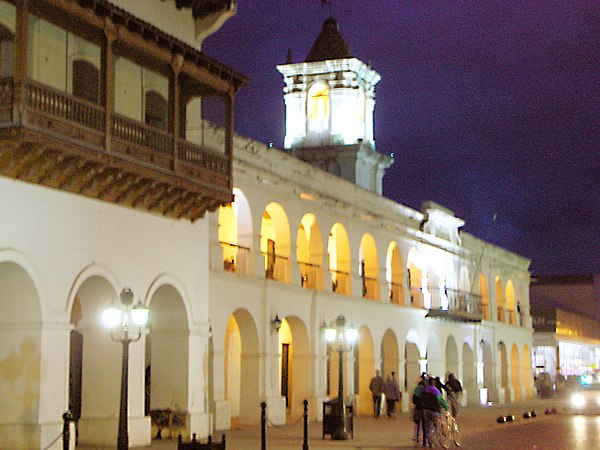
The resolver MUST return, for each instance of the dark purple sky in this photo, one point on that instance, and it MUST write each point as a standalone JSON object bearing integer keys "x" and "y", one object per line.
{"x": 491, "y": 108}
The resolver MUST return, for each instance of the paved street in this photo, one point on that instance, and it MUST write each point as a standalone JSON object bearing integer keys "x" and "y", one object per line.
{"x": 386, "y": 434}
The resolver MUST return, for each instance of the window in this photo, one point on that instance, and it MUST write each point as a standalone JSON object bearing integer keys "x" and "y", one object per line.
{"x": 86, "y": 80}
{"x": 318, "y": 107}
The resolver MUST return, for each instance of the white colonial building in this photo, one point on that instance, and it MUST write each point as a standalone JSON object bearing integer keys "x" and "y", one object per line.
{"x": 116, "y": 143}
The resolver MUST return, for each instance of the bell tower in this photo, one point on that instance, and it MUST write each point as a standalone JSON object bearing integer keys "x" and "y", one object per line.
{"x": 329, "y": 101}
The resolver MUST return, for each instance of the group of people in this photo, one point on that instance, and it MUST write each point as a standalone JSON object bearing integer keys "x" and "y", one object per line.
{"x": 388, "y": 388}
{"x": 428, "y": 402}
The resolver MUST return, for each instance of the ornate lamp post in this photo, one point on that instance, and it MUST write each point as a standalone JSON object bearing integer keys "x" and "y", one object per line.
{"x": 119, "y": 318}
{"x": 345, "y": 338}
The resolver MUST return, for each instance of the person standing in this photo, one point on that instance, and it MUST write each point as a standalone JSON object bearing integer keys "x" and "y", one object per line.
{"x": 432, "y": 402}
{"x": 454, "y": 389}
{"x": 376, "y": 386}
{"x": 418, "y": 410}
{"x": 392, "y": 394}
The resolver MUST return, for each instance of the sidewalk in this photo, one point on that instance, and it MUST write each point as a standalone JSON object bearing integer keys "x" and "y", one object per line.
{"x": 369, "y": 433}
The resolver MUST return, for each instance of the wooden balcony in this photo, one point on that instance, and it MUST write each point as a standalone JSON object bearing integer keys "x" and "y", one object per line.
{"x": 57, "y": 140}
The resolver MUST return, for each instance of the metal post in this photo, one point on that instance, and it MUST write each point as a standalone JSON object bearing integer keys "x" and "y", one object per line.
{"x": 305, "y": 443}
{"x": 263, "y": 426}
{"x": 66, "y": 434}
{"x": 340, "y": 432}
{"x": 123, "y": 437}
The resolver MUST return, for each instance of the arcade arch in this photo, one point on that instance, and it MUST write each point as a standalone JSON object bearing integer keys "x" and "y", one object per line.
{"x": 275, "y": 243}
{"x": 294, "y": 364}
{"x": 500, "y": 300}
{"x": 515, "y": 373}
{"x": 484, "y": 293}
{"x": 235, "y": 233}
{"x": 338, "y": 252}
{"x": 364, "y": 354}
{"x": 309, "y": 245}
{"x": 242, "y": 366}
{"x": 395, "y": 274}
{"x": 369, "y": 268}
{"x": 510, "y": 302}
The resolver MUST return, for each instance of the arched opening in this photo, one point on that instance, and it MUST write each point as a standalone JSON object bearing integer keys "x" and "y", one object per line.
{"x": 395, "y": 274}
{"x": 515, "y": 373}
{"x": 510, "y": 303}
{"x": 294, "y": 364}
{"x": 167, "y": 359}
{"x": 242, "y": 367}
{"x": 20, "y": 357}
{"x": 86, "y": 81}
{"x": 100, "y": 366}
{"x": 416, "y": 273}
{"x": 275, "y": 243}
{"x": 500, "y": 300}
{"x": 484, "y": 294}
{"x": 469, "y": 380}
{"x": 235, "y": 234}
{"x": 503, "y": 367}
{"x": 317, "y": 108}
{"x": 365, "y": 358}
{"x": 451, "y": 357}
{"x": 390, "y": 355}
{"x": 338, "y": 253}
{"x": 526, "y": 372}
{"x": 369, "y": 268}
{"x": 488, "y": 379}
{"x": 412, "y": 358}
{"x": 309, "y": 245}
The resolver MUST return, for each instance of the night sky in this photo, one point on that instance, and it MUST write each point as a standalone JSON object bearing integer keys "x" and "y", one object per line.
{"x": 491, "y": 108}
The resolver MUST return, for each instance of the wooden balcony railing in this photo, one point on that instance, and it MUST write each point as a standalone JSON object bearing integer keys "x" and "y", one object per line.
{"x": 370, "y": 288}
{"x": 340, "y": 282}
{"x": 137, "y": 133}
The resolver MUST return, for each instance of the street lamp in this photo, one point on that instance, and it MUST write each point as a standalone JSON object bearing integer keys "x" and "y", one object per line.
{"x": 119, "y": 318}
{"x": 345, "y": 337}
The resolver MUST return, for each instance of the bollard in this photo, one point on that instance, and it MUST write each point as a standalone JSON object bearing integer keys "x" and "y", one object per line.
{"x": 263, "y": 425}
{"x": 66, "y": 434}
{"x": 510, "y": 418}
{"x": 305, "y": 443}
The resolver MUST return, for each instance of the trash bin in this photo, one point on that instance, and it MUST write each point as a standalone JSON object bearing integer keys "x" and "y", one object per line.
{"x": 331, "y": 411}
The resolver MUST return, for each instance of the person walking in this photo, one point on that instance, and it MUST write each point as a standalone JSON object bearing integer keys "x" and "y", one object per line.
{"x": 432, "y": 401}
{"x": 376, "y": 386}
{"x": 454, "y": 389}
{"x": 392, "y": 394}
{"x": 418, "y": 410}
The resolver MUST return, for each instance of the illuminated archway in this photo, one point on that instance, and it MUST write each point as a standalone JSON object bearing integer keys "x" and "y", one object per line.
{"x": 484, "y": 295}
{"x": 503, "y": 367}
{"x": 500, "y": 300}
{"x": 515, "y": 373}
{"x": 309, "y": 245}
{"x": 390, "y": 355}
{"x": 242, "y": 367}
{"x": 365, "y": 360}
{"x": 294, "y": 364}
{"x": 338, "y": 252}
{"x": 412, "y": 361}
{"x": 235, "y": 233}
{"x": 369, "y": 268}
{"x": 20, "y": 356}
{"x": 317, "y": 107}
{"x": 451, "y": 354}
{"x": 275, "y": 243}
{"x": 510, "y": 303}
{"x": 394, "y": 269}
{"x": 417, "y": 276}
{"x": 469, "y": 372}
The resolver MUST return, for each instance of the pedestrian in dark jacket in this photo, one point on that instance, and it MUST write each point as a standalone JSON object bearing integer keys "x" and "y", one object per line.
{"x": 376, "y": 387}
{"x": 454, "y": 389}
{"x": 392, "y": 394}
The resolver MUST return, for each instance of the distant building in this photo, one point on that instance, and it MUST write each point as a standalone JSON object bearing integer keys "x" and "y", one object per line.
{"x": 566, "y": 335}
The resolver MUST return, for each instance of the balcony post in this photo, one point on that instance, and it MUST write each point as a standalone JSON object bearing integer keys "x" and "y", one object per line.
{"x": 229, "y": 137}
{"x": 174, "y": 102}
{"x": 110, "y": 32}
{"x": 20, "y": 58}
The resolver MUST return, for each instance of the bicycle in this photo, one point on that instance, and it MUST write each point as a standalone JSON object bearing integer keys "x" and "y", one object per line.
{"x": 446, "y": 430}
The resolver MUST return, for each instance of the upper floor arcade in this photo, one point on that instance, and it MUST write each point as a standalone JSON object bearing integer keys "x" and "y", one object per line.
{"x": 329, "y": 253}
{"x": 94, "y": 100}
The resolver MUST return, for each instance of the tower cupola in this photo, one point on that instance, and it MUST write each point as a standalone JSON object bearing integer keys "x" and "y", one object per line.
{"x": 329, "y": 102}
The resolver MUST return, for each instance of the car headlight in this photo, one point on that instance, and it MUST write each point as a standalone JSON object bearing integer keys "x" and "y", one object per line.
{"x": 577, "y": 400}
